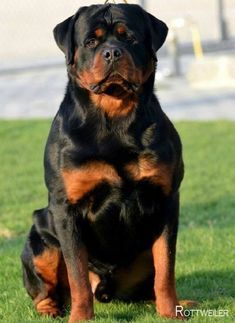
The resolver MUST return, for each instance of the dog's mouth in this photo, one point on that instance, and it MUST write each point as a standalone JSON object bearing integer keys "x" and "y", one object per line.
{"x": 116, "y": 90}
{"x": 115, "y": 85}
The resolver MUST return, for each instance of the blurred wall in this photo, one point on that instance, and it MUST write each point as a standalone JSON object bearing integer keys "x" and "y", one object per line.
{"x": 203, "y": 12}
{"x": 26, "y": 25}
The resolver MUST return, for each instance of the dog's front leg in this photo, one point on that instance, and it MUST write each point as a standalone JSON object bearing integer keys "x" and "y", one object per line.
{"x": 164, "y": 261}
{"x": 76, "y": 260}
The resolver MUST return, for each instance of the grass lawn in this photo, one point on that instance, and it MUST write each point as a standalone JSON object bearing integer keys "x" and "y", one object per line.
{"x": 205, "y": 268}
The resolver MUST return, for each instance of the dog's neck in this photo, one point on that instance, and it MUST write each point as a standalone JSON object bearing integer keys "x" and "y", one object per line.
{"x": 83, "y": 118}
{"x": 111, "y": 107}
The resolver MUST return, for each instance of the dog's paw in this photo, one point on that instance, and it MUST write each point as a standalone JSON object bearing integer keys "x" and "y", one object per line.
{"x": 48, "y": 307}
{"x": 188, "y": 303}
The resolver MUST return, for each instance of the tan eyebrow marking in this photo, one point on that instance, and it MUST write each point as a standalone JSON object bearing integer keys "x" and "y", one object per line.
{"x": 99, "y": 32}
{"x": 121, "y": 29}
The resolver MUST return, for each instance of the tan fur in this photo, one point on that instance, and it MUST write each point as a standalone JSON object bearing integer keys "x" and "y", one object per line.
{"x": 147, "y": 167}
{"x": 47, "y": 307}
{"x": 121, "y": 29}
{"x": 164, "y": 284}
{"x": 99, "y": 32}
{"x": 79, "y": 182}
{"x": 46, "y": 265}
{"x": 114, "y": 107}
{"x": 80, "y": 289}
{"x": 94, "y": 281}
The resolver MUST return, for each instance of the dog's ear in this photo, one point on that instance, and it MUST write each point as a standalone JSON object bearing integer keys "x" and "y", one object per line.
{"x": 158, "y": 31}
{"x": 64, "y": 36}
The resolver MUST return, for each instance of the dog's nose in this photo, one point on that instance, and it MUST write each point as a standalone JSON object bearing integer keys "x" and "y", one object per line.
{"x": 112, "y": 54}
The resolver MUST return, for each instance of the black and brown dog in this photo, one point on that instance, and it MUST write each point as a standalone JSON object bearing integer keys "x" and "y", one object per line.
{"x": 113, "y": 168}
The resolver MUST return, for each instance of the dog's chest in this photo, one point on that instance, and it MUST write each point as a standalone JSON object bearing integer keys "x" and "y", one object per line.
{"x": 81, "y": 181}
{"x": 119, "y": 201}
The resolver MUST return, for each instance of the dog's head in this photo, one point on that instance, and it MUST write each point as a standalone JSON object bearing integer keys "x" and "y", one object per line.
{"x": 110, "y": 51}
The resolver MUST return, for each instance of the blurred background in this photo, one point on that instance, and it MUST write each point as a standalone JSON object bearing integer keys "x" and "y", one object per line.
{"x": 196, "y": 69}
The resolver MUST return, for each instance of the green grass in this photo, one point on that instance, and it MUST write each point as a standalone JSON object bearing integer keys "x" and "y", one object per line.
{"x": 206, "y": 245}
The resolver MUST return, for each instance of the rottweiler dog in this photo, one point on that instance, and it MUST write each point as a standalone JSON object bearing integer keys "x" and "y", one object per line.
{"x": 113, "y": 168}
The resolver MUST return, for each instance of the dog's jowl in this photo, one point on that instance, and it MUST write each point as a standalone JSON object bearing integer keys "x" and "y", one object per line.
{"x": 113, "y": 168}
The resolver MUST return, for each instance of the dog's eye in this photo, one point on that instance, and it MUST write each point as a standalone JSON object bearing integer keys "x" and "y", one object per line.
{"x": 127, "y": 37}
{"x": 124, "y": 34}
{"x": 91, "y": 43}
{"x": 131, "y": 39}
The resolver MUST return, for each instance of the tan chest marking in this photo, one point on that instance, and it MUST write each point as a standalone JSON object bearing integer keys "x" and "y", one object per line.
{"x": 114, "y": 107}
{"x": 79, "y": 182}
{"x": 156, "y": 172}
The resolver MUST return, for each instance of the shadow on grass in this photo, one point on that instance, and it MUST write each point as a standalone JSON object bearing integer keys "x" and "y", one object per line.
{"x": 212, "y": 289}
{"x": 207, "y": 286}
